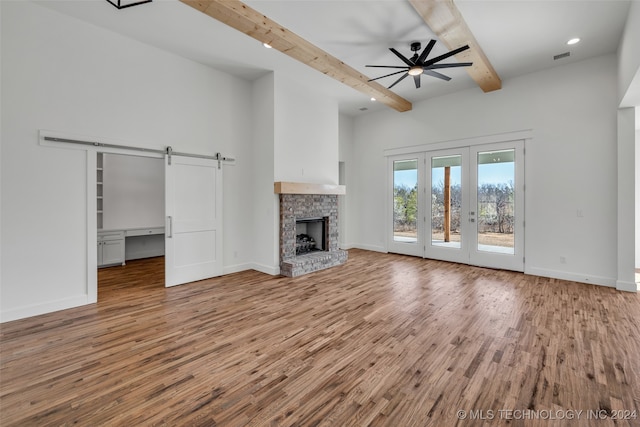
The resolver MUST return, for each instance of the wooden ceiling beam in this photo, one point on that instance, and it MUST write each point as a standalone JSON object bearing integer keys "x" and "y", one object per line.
{"x": 251, "y": 22}
{"x": 445, "y": 20}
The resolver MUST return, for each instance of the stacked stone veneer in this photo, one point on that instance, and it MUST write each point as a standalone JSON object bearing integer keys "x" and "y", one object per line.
{"x": 294, "y": 206}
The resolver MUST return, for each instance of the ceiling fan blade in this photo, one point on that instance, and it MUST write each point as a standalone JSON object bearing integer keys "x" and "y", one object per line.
{"x": 387, "y": 66}
{"x": 398, "y": 81}
{"x": 387, "y": 75}
{"x": 459, "y": 64}
{"x": 416, "y": 80}
{"x": 401, "y": 56}
{"x": 426, "y": 51}
{"x": 446, "y": 55}
{"x": 437, "y": 75}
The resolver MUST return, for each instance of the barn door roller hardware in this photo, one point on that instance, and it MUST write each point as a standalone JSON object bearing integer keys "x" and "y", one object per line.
{"x": 168, "y": 151}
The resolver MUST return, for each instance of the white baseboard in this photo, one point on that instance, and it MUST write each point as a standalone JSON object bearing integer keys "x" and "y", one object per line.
{"x": 273, "y": 271}
{"x": 236, "y": 268}
{"x": 37, "y": 309}
{"x": 627, "y": 286}
{"x": 573, "y": 277}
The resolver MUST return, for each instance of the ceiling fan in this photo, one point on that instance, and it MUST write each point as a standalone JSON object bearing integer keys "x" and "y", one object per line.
{"x": 419, "y": 65}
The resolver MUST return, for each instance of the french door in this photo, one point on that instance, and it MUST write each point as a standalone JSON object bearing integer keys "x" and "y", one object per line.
{"x": 447, "y": 205}
{"x": 407, "y": 210}
{"x": 496, "y": 216}
{"x": 470, "y": 204}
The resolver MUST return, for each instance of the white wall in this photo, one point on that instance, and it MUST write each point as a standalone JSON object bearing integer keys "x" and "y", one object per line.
{"x": 637, "y": 192}
{"x": 61, "y": 74}
{"x": 629, "y": 51}
{"x": 1, "y": 185}
{"x": 626, "y": 194}
{"x": 346, "y": 128}
{"x": 264, "y": 241}
{"x": 570, "y": 163}
{"x": 628, "y": 99}
{"x": 133, "y": 192}
{"x": 306, "y": 134}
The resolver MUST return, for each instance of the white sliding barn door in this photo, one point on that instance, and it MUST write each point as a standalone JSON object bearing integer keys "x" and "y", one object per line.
{"x": 193, "y": 206}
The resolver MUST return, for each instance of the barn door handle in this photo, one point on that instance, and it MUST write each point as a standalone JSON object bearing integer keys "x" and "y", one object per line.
{"x": 169, "y": 227}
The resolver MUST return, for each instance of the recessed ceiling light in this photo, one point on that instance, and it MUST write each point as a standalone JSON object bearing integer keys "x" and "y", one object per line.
{"x": 372, "y": 99}
{"x": 267, "y": 45}
{"x": 573, "y": 41}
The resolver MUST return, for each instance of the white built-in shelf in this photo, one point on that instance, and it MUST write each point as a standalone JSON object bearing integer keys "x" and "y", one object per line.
{"x": 99, "y": 188}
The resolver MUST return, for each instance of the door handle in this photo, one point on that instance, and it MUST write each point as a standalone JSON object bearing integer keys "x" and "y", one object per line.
{"x": 169, "y": 227}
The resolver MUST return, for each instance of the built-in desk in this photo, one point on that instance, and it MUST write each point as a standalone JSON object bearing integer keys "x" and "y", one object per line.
{"x": 116, "y": 246}
{"x": 132, "y": 232}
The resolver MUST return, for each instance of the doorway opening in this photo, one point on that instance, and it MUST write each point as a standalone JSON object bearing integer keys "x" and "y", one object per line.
{"x": 130, "y": 212}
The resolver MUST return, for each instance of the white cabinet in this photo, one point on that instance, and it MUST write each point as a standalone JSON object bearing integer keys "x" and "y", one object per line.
{"x": 110, "y": 248}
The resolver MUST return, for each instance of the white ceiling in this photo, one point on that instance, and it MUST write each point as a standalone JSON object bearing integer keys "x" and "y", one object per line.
{"x": 518, "y": 37}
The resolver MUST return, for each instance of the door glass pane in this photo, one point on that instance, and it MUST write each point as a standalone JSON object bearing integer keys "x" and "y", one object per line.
{"x": 446, "y": 201}
{"x": 405, "y": 201}
{"x": 496, "y": 207}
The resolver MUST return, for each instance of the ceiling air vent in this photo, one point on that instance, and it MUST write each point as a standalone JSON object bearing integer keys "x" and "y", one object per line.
{"x": 561, "y": 55}
{"x": 363, "y": 109}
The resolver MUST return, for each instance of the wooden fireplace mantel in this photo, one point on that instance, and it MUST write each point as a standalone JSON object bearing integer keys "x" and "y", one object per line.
{"x": 281, "y": 187}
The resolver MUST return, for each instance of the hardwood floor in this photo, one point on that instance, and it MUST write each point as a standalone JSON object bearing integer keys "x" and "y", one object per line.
{"x": 384, "y": 340}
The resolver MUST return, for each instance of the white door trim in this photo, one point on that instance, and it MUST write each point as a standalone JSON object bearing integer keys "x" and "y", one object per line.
{"x": 525, "y": 135}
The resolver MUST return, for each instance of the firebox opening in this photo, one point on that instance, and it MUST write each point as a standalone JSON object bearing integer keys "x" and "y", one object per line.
{"x": 311, "y": 235}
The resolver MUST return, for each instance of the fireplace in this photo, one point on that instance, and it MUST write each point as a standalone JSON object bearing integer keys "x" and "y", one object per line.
{"x": 309, "y": 233}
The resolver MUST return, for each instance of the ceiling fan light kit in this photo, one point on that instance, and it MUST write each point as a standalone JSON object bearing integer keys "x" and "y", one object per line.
{"x": 419, "y": 64}
{"x": 415, "y": 70}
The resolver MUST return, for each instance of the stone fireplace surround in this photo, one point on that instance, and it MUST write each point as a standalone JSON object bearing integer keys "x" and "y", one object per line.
{"x": 293, "y": 206}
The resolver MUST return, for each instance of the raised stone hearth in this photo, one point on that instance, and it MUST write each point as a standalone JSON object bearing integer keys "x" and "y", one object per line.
{"x": 298, "y": 206}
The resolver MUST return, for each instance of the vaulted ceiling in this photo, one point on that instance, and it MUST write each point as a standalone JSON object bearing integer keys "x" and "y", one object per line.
{"x": 517, "y": 37}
